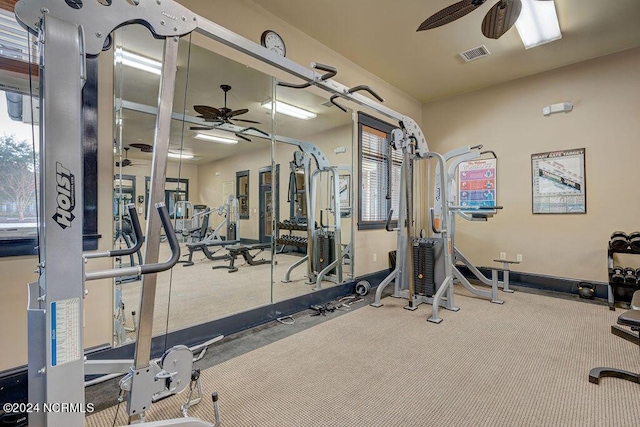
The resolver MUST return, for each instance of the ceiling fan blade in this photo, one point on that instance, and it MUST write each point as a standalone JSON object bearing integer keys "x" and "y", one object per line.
{"x": 141, "y": 146}
{"x": 202, "y": 127}
{"x": 450, "y": 14}
{"x": 246, "y": 121}
{"x": 243, "y": 137}
{"x": 237, "y": 112}
{"x": 206, "y": 111}
{"x": 501, "y": 18}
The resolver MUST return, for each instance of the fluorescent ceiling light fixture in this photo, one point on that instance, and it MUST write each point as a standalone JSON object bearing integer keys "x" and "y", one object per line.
{"x": 214, "y": 138}
{"x": 538, "y": 23}
{"x": 183, "y": 156}
{"x": 133, "y": 60}
{"x": 290, "y": 110}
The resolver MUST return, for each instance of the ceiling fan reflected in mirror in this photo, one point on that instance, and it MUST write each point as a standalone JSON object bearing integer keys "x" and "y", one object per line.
{"x": 145, "y": 148}
{"x": 125, "y": 162}
{"x": 221, "y": 115}
{"x": 500, "y": 18}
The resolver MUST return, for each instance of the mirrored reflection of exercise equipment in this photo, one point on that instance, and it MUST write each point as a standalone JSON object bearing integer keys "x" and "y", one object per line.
{"x": 187, "y": 217}
{"x": 131, "y": 234}
{"x": 226, "y": 233}
{"x": 325, "y": 253}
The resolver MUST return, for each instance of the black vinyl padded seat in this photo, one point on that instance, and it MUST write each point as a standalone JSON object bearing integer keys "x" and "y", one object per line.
{"x": 635, "y": 301}
{"x": 630, "y": 318}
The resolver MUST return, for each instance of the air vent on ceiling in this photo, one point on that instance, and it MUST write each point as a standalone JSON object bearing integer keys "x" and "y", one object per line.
{"x": 475, "y": 53}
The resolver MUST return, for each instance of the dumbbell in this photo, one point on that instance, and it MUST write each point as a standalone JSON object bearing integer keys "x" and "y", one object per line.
{"x": 617, "y": 275}
{"x": 638, "y": 276}
{"x": 630, "y": 277}
{"x": 634, "y": 241}
{"x": 619, "y": 240}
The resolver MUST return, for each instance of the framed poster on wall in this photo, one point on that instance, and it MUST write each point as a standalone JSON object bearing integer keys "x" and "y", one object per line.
{"x": 558, "y": 182}
{"x": 477, "y": 183}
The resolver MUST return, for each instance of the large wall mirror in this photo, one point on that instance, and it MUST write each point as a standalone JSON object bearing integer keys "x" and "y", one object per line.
{"x": 233, "y": 188}
{"x": 313, "y": 236}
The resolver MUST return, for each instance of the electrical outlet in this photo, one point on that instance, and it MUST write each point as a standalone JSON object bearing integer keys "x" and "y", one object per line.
{"x": 375, "y": 257}
{"x": 519, "y": 257}
{"x": 503, "y": 255}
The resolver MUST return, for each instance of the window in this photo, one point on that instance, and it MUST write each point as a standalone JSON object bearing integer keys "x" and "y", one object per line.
{"x": 379, "y": 176}
{"x": 18, "y": 212}
{"x": 242, "y": 193}
{"x": 175, "y": 190}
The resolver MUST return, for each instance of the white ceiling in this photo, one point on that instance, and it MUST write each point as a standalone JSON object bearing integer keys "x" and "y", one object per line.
{"x": 380, "y": 35}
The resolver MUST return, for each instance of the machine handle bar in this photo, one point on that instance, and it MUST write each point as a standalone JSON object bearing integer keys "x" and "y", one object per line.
{"x": 123, "y": 252}
{"x": 388, "y": 224}
{"x": 432, "y": 219}
{"x": 366, "y": 89}
{"x": 171, "y": 238}
{"x": 330, "y": 72}
{"x": 149, "y": 268}
{"x": 137, "y": 231}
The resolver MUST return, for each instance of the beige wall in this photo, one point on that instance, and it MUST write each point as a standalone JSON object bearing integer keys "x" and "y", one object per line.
{"x": 508, "y": 119}
{"x": 213, "y": 175}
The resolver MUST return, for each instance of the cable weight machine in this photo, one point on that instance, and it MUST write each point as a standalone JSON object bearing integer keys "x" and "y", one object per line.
{"x": 433, "y": 255}
{"x": 324, "y": 244}
{"x": 67, "y": 33}
{"x": 469, "y": 213}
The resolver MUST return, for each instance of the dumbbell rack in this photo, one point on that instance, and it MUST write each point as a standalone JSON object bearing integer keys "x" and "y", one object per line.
{"x": 290, "y": 239}
{"x": 618, "y": 288}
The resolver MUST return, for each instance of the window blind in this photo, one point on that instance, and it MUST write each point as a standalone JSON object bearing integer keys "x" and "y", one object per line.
{"x": 14, "y": 40}
{"x": 380, "y": 176}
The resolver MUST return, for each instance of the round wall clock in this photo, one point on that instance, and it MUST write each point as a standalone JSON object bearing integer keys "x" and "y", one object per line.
{"x": 272, "y": 41}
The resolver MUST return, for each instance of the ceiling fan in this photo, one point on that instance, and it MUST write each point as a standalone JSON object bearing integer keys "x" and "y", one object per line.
{"x": 125, "y": 162}
{"x": 219, "y": 116}
{"x": 496, "y": 22}
{"x": 145, "y": 148}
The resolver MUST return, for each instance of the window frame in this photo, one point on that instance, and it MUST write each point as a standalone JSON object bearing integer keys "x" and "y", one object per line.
{"x": 243, "y": 195}
{"x": 382, "y": 126}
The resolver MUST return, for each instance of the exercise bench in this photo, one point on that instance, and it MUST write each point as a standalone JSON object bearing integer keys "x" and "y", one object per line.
{"x": 630, "y": 318}
{"x": 244, "y": 249}
{"x": 204, "y": 247}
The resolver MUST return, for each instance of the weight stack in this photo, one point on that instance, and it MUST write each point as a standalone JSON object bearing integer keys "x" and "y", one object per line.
{"x": 424, "y": 267}
{"x": 231, "y": 231}
{"x": 325, "y": 253}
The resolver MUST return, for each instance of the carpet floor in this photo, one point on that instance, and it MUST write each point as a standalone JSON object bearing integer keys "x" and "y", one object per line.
{"x": 524, "y": 363}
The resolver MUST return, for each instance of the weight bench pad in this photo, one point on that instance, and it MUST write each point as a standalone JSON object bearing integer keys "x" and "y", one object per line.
{"x": 199, "y": 245}
{"x": 250, "y": 247}
{"x": 630, "y": 318}
{"x": 635, "y": 301}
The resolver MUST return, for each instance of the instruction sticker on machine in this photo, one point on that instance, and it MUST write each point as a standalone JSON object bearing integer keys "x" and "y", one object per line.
{"x": 65, "y": 331}
{"x": 558, "y": 182}
{"x": 477, "y": 183}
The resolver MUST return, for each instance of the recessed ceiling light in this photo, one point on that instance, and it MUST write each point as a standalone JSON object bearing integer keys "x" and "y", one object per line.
{"x": 214, "y": 138}
{"x": 538, "y": 23}
{"x": 134, "y": 60}
{"x": 290, "y": 110}
{"x": 183, "y": 156}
